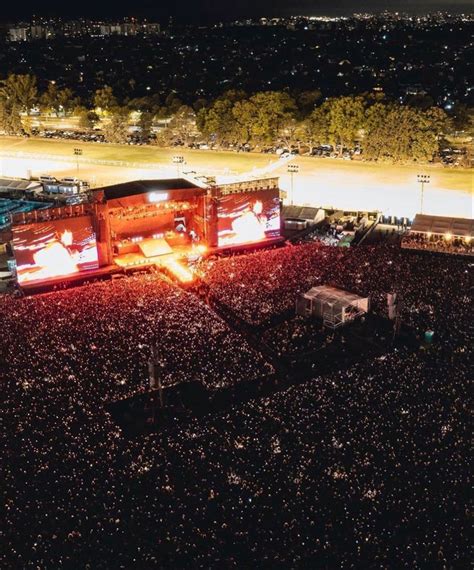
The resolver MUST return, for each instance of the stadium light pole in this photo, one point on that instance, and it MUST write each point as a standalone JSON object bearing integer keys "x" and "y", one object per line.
{"x": 292, "y": 170}
{"x": 422, "y": 179}
{"x": 178, "y": 160}
{"x": 77, "y": 154}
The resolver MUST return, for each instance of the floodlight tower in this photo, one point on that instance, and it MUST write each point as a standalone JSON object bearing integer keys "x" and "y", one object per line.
{"x": 77, "y": 154}
{"x": 422, "y": 179}
{"x": 178, "y": 160}
{"x": 292, "y": 170}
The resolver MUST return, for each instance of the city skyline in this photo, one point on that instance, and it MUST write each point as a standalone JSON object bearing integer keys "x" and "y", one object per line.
{"x": 203, "y": 11}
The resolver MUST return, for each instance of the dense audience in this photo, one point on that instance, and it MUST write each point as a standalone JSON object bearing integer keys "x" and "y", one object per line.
{"x": 360, "y": 468}
{"x": 261, "y": 286}
{"x": 438, "y": 243}
{"x": 296, "y": 336}
{"x": 103, "y": 334}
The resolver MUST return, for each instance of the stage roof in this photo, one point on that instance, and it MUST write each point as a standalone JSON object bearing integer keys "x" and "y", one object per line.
{"x": 334, "y": 296}
{"x": 300, "y": 212}
{"x": 137, "y": 187}
{"x": 8, "y": 184}
{"x": 443, "y": 225}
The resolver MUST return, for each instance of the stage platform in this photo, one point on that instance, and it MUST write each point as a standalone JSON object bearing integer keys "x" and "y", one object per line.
{"x": 247, "y": 247}
{"x": 154, "y": 247}
{"x": 65, "y": 281}
{"x": 170, "y": 260}
{"x": 173, "y": 263}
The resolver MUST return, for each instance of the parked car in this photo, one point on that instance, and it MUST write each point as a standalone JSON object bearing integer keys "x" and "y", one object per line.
{"x": 70, "y": 180}
{"x": 47, "y": 179}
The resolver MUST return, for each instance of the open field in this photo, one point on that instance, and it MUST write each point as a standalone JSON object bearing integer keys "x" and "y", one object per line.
{"x": 209, "y": 162}
{"x": 392, "y": 189}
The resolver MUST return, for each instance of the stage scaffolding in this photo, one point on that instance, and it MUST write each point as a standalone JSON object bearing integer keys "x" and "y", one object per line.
{"x": 334, "y": 306}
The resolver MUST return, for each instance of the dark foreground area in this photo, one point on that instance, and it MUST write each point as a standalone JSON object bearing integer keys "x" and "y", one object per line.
{"x": 365, "y": 466}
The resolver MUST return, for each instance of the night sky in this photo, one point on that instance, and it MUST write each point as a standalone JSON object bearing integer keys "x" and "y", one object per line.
{"x": 209, "y": 10}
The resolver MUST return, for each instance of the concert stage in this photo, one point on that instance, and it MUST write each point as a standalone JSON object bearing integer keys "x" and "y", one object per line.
{"x": 166, "y": 224}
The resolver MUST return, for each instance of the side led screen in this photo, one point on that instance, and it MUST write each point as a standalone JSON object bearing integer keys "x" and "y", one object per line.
{"x": 247, "y": 218}
{"x": 53, "y": 249}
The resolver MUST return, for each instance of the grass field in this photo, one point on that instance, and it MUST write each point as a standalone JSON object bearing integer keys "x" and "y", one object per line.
{"x": 138, "y": 154}
{"x": 320, "y": 182}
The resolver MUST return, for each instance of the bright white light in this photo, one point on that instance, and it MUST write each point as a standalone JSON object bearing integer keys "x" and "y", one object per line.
{"x": 154, "y": 197}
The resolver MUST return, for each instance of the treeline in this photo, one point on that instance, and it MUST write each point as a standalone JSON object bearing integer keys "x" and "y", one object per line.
{"x": 384, "y": 129}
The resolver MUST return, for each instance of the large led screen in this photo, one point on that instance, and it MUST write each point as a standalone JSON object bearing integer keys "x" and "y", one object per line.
{"x": 54, "y": 249}
{"x": 248, "y": 217}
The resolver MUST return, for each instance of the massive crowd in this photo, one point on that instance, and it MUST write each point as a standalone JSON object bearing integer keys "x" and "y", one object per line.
{"x": 261, "y": 286}
{"x": 102, "y": 335}
{"x": 296, "y": 336}
{"x": 438, "y": 243}
{"x": 362, "y": 468}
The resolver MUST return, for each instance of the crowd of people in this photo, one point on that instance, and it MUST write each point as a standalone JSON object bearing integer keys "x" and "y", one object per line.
{"x": 360, "y": 468}
{"x": 296, "y": 336}
{"x": 261, "y": 286}
{"x": 104, "y": 334}
{"x": 438, "y": 243}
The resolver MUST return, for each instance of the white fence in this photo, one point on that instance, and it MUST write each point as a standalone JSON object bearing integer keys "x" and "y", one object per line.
{"x": 80, "y": 159}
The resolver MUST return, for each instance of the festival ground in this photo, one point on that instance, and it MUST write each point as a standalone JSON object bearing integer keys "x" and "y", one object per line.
{"x": 392, "y": 189}
{"x": 188, "y": 402}
{"x": 352, "y": 436}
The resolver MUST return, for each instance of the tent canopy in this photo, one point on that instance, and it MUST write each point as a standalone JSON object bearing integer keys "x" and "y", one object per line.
{"x": 334, "y": 306}
{"x": 336, "y": 297}
{"x": 457, "y": 227}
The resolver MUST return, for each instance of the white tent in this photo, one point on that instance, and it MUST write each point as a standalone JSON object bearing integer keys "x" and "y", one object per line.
{"x": 334, "y": 306}
{"x": 441, "y": 234}
{"x": 441, "y": 225}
